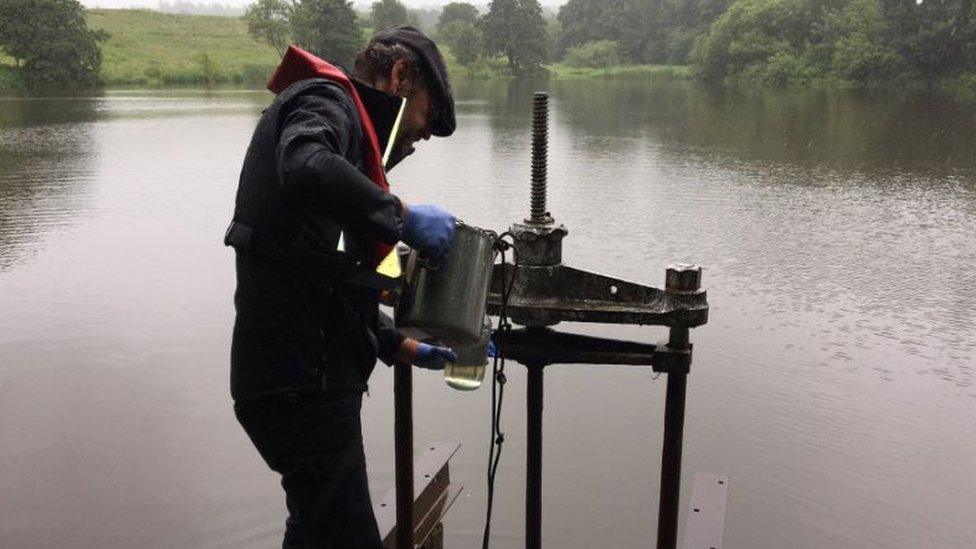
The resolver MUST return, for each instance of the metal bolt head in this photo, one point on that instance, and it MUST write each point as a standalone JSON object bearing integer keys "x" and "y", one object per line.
{"x": 683, "y": 277}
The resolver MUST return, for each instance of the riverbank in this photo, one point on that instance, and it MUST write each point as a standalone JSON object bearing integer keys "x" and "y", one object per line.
{"x": 148, "y": 48}
{"x": 152, "y": 49}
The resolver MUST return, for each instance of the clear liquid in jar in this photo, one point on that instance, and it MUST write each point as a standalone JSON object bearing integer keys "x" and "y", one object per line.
{"x": 464, "y": 378}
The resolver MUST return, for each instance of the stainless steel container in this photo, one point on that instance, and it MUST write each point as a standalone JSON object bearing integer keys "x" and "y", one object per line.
{"x": 446, "y": 301}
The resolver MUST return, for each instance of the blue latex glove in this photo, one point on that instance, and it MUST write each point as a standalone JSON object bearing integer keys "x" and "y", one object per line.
{"x": 492, "y": 350}
{"x": 429, "y": 229}
{"x": 433, "y": 357}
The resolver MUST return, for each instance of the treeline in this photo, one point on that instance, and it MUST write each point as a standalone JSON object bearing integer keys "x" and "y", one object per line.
{"x": 778, "y": 41}
{"x": 46, "y": 43}
{"x": 513, "y": 30}
{"x": 861, "y": 41}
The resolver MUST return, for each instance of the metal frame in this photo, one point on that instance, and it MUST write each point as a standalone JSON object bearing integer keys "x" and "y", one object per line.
{"x": 542, "y": 292}
{"x": 538, "y": 347}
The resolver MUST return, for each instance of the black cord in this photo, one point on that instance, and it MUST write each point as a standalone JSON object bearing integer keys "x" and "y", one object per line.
{"x": 498, "y": 379}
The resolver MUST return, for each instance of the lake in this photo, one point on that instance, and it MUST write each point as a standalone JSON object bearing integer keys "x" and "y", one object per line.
{"x": 834, "y": 383}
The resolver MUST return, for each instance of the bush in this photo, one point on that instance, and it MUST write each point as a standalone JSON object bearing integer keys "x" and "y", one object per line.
{"x": 463, "y": 39}
{"x": 598, "y": 54}
{"x": 855, "y": 39}
{"x": 9, "y": 78}
{"x": 860, "y": 60}
{"x": 209, "y": 70}
{"x": 785, "y": 68}
{"x": 53, "y": 41}
{"x": 750, "y": 34}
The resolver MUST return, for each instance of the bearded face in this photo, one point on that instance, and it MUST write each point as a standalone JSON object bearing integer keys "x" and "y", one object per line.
{"x": 414, "y": 126}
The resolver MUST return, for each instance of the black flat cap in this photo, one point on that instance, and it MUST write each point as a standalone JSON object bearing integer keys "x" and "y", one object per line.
{"x": 432, "y": 66}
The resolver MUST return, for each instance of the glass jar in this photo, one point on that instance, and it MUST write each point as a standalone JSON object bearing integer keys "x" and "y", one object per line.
{"x": 468, "y": 372}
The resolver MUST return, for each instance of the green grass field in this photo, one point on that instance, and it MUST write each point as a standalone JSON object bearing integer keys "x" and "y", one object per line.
{"x": 148, "y": 48}
{"x": 152, "y": 48}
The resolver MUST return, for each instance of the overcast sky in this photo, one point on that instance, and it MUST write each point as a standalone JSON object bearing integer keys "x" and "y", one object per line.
{"x": 155, "y": 3}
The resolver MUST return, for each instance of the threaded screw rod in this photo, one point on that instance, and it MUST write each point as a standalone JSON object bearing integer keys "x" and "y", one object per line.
{"x": 540, "y": 152}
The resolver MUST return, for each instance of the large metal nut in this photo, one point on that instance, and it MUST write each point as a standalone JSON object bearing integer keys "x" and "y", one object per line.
{"x": 683, "y": 277}
{"x": 539, "y": 245}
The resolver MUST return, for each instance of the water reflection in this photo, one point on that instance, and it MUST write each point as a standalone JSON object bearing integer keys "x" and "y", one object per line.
{"x": 47, "y": 152}
{"x": 890, "y": 131}
{"x": 832, "y": 383}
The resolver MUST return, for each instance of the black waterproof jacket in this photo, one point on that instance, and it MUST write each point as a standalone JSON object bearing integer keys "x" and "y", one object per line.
{"x": 303, "y": 183}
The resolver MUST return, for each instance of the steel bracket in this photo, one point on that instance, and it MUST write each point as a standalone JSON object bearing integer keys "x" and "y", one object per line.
{"x": 545, "y": 346}
{"x": 544, "y": 296}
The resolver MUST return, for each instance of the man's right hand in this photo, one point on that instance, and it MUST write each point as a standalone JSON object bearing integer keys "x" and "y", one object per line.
{"x": 429, "y": 229}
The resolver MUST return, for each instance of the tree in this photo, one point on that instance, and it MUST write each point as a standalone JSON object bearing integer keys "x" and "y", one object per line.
{"x": 457, "y": 11}
{"x": 268, "y": 21}
{"x": 647, "y": 31}
{"x": 750, "y": 34}
{"x": 464, "y": 40}
{"x": 327, "y": 28}
{"x": 935, "y": 37}
{"x": 51, "y": 43}
{"x": 457, "y": 28}
{"x": 851, "y": 43}
{"x": 517, "y": 30}
{"x": 388, "y": 13}
{"x": 583, "y": 21}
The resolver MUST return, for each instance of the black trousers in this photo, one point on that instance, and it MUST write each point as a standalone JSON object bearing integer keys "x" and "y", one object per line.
{"x": 315, "y": 442}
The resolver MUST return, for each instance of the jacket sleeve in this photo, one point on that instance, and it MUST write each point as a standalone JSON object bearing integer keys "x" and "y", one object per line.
{"x": 318, "y": 131}
{"x": 389, "y": 338}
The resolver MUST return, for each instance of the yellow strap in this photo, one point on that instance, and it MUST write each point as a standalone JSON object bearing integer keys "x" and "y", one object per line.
{"x": 393, "y": 132}
{"x": 390, "y": 266}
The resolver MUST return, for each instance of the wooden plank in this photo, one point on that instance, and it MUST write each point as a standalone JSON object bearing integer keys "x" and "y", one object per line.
{"x": 705, "y": 526}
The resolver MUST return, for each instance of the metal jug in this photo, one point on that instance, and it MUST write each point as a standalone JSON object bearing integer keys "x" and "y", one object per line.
{"x": 446, "y": 300}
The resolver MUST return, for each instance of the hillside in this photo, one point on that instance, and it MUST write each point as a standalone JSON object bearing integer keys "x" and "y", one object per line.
{"x": 148, "y": 47}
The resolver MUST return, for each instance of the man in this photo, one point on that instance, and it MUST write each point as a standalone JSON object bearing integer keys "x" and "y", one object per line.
{"x": 313, "y": 218}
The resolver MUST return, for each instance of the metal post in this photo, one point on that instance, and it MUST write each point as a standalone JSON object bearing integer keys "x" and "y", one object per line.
{"x": 674, "y": 422}
{"x": 403, "y": 449}
{"x": 533, "y": 462}
{"x": 678, "y": 279}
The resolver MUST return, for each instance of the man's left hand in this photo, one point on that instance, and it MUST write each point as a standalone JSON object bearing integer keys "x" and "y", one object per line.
{"x": 425, "y": 355}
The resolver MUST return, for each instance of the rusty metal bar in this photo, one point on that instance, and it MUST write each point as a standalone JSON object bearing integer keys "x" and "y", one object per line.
{"x": 533, "y": 458}
{"x": 403, "y": 449}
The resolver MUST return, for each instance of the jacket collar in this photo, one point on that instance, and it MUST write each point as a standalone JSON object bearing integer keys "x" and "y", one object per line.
{"x": 383, "y": 109}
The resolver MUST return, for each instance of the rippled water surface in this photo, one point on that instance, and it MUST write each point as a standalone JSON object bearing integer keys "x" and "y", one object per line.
{"x": 834, "y": 382}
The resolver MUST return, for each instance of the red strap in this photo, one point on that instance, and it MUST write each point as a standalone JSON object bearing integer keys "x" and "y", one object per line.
{"x": 298, "y": 64}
